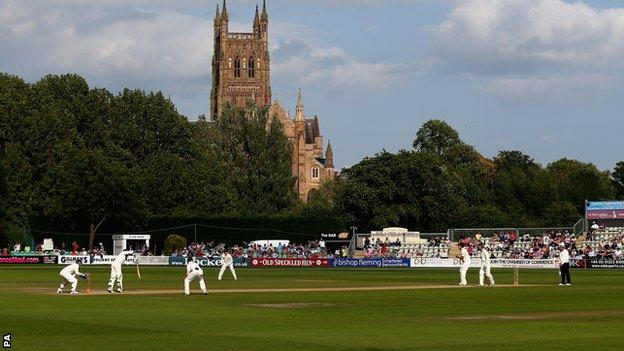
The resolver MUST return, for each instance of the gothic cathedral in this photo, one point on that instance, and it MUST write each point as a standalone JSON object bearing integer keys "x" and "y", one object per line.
{"x": 241, "y": 71}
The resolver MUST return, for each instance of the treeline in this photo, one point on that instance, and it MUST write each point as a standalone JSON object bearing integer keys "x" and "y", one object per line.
{"x": 92, "y": 159}
{"x": 87, "y": 160}
{"x": 444, "y": 183}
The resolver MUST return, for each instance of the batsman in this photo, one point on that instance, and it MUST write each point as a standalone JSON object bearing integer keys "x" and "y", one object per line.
{"x": 116, "y": 274}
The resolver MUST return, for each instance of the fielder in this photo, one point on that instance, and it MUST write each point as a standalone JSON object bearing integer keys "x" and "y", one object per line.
{"x": 116, "y": 274}
{"x": 464, "y": 256}
{"x": 227, "y": 261}
{"x": 193, "y": 271}
{"x": 485, "y": 266}
{"x": 68, "y": 275}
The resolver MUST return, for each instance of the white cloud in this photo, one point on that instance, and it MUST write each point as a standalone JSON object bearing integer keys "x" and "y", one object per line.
{"x": 550, "y": 87}
{"x": 155, "y": 45}
{"x": 519, "y": 35}
{"x": 334, "y": 68}
{"x": 527, "y": 48}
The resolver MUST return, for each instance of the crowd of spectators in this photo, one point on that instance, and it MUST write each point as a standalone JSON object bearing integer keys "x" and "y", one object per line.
{"x": 63, "y": 249}
{"x": 504, "y": 244}
{"x": 310, "y": 250}
{"x": 509, "y": 245}
{"x": 610, "y": 246}
{"x": 378, "y": 248}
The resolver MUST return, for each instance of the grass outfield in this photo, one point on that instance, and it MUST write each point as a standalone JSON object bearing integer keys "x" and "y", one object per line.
{"x": 536, "y": 316}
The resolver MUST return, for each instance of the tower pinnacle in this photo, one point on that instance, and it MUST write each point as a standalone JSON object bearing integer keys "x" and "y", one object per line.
{"x": 224, "y": 14}
{"x": 299, "y": 113}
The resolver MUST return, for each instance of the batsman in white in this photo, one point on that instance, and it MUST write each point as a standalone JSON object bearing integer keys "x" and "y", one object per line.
{"x": 464, "y": 256}
{"x": 485, "y": 266}
{"x": 116, "y": 274}
{"x": 194, "y": 271}
{"x": 227, "y": 261}
{"x": 68, "y": 275}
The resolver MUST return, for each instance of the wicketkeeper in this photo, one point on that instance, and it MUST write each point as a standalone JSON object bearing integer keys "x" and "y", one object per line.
{"x": 68, "y": 275}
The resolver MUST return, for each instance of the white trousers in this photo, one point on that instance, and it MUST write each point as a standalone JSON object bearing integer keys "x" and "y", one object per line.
{"x": 224, "y": 267}
{"x": 462, "y": 273}
{"x": 116, "y": 276}
{"x": 485, "y": 272}
{"x": 68, "y": 278}
{"x": 190, "y": 277}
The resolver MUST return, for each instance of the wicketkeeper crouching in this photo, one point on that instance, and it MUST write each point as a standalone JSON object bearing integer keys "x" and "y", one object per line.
{"x": 68, "y": 275}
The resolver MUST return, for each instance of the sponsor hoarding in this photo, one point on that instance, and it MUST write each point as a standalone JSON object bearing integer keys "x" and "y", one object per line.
{"x": 207, "y": 261}
{"x": 108, "y": 260}
{"x": 72, "y": 259}
{"x": 607, "y": 264}
{"x": 288, "y": 262}
{"x": 21, "y": 260}
{"x": 421, "y": 262}
{"x": 356, "y": 262}
{"x": 604, "y": 210}
{"x": 369, "y": 262}
{"x": 48, "y": 259}
{"x": 396, "y": 262}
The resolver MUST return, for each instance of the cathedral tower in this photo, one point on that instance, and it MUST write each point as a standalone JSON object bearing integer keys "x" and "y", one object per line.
{"x": 240, "y": 63}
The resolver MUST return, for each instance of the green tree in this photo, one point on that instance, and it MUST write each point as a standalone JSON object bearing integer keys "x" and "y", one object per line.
{"x": 189, "y": 187}
{"x": 409, "y": 189}
{"x": 561, "y": 214}
{"x": 257, "y": 157}
{"x": 435, "y": 136}
{"x": 522, "y": 187}
{"x": 578, "y": 181}
{"x": 88, "y": 188}
{"x": 618, "y": 179}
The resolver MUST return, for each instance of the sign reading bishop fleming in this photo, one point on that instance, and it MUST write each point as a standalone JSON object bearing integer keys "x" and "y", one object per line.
{"x": 604, "y": 210}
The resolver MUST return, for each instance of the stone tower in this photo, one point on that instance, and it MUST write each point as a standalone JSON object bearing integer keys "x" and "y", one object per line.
{"x": 241, "y": 63}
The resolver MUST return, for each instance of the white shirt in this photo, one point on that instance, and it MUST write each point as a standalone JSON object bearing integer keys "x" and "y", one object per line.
{"x": 595, "y": 226}
{"x": 72, "y": 269}
{"x": 122, "y": 257}
{"x": 485, "y": 257}
{"x": 226, "y": 259}
{"x": 322, "y": 244}
{"x": 192, "y": 266}
{"x": 465, "y": 255}
{"x": 564, "y": 256}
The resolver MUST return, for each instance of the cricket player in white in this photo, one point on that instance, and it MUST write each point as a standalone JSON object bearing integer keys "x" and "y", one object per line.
{"x": 227, "y": 261}
{"x": 485, "y": 266}
{"x": 116, "y": 274}
{"x": 68, "y": 275}
{"x": 465, "y": 258}
{"x": 194, "y": 271}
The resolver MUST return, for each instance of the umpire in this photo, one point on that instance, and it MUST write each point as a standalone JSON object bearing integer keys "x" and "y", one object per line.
{"x": 564, "y": 265}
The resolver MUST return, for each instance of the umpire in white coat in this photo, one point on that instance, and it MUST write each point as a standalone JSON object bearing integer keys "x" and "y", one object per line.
{"x": 564, "y": 265}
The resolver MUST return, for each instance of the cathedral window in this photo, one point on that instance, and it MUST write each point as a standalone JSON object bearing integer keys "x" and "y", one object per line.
{"x": 237, "y": 68}
{"x": 315, "y": 173}
{"x": 251, "y": 71}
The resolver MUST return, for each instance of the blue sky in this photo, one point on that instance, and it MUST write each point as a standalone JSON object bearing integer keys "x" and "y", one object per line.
{"x": 541, "y": 76}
